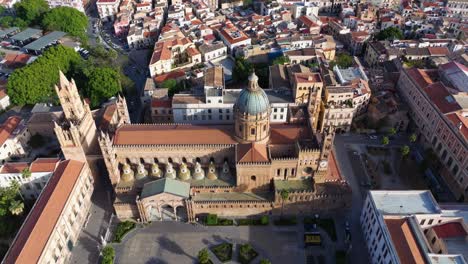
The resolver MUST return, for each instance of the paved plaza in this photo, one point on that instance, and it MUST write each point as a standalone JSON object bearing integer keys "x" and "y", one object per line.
{"x": 176, "y": 242}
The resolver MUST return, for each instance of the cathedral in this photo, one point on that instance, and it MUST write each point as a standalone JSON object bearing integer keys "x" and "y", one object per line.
{"x": 182, "y": 172}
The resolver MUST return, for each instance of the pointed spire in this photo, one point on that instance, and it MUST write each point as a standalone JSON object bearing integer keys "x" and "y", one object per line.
{"x": 170, "y": 172}
{"x": 63, "y": 80}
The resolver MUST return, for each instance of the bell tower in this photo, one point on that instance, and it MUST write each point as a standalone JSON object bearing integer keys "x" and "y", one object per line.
{"x": 76, "y": 130}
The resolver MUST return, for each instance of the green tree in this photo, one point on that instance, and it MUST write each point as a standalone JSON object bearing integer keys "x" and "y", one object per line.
{"x": 9, "y": 21}
{"x": 102, "y": 84}
{"x": 385, "y": 141}
{"x": 343, "y": 60}
{"x": 31, "y": 11}
{"x": 108, "y": 254}
{"x": 203, "y": 256}
{"x": 413, "y": 138}
{"x": 35, "y": 82}
{"x": 265, "y": 261}
{"x": 8, "y": 195}
{"x": 247, "y": 3}
{"x": 66, "y": 19}
{"x": 242, "y": 70}
{"x": 405, "y": 150}
{"x": 392, "y": 131}
{"x": 16, "y": 207}
{"x": 281, "y": 60}
{"x": 390, "y": 33}
{"x": 284, "y": 196}
{"x": 25, "y": 173}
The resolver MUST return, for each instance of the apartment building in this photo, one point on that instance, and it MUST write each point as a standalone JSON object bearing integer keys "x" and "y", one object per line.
{"x": 457, "y": 8}
{"x": 55, "y": 221}
{"x": 41, "y": 170}
{"x": 233, "y": 37}
{"x": 215, "y": 104}
{"x": 14, "y": 138}
{"x": 437, "y": 101}
{"x": 411, "y": 227}
{"x": 107, "y": 9}
{"x": 77, "y": 4}
{"x": 169, "y": 55}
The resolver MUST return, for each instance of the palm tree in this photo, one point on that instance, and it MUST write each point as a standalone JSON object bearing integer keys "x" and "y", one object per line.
{"x": 203, "y": 256}
{"x": 392, "y": 131}
{"x": 385, "y": 141}
{"x": 284, "y": 195}
{"x": 265, "y": 261}
{"x": 405, "y": 150}
{"x": 16, "y": 207}
{"x": 413, "y": 138}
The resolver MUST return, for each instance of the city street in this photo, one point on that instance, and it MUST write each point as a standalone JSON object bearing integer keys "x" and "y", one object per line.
{"x": 351, "y": 171}
{"x": 87, "y": 248}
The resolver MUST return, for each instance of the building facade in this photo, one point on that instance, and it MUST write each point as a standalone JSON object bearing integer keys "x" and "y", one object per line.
{"x": 14, "y": 138}
{"x": 183, "y": 171}
{"x": 440, "y": 115}
{"x": 54, "y": 224}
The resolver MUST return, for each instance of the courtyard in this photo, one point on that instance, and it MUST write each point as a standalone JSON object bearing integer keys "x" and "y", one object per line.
{"x": 178, "y": 242}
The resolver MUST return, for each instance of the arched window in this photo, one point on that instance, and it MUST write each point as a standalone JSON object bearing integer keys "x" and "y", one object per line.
{"x": 252, "y": 131}
{"x": 253, "y": 178}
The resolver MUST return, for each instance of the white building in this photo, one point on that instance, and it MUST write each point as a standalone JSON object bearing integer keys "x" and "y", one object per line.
{"x": 41, "y": 169}
{"x": 216, "y": 104}
{"x": 233, "y": 37}
{"x": 52, "y": 227}
{"x": 397, "y": 226}
{"x": 107, "y": 9}
{"x": 77, "y": 4}
{"x": 14, "y": 137}
{"x": 214, "y": 51}
{"x": 4, "y": 99}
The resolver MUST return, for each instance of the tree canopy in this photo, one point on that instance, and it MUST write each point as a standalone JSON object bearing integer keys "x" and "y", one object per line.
{"x": 102, "y": 84}
{"x": 242, "y": 70}
{"x": 34, "y": 83}
{"x": 280, "y": 60}
{"x": 31, "y": 11}
{"x": 66, "y": 19}
{"x": 390, "y": 33}
{"x": 8, "y": 197}
{"x": 343, "y": 60}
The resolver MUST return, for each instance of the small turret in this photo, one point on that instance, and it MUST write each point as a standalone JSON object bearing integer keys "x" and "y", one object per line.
{"x": 155, "y": 171}
{"x": 226, "y": 173}
{"x": 184, "y": 172}
{"x": 170, "y": 172}
{"x": 212, "y": 175}
{"x": 127, "y": 173}
{"x": 199, "y": 173}
{"x": 141, "y": 172}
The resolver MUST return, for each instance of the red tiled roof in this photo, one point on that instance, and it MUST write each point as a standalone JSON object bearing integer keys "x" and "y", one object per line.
{"x": 404, "y": 241}
{"x": 194, "y": 134}
{"x": 252, "y": 153}
{"x": 333, "y": 172}
{"x": 460, "y": 122}
{"x": 227, "y": 30}
{"x": 8, "y": 127}
{"x": 14, "y": 167}
{"x": 170, "y": 75}
{"x": 441, "y": 97}
{"x": 454, "y": 229}
{"x": 439, "y": 51}
{"x": 44, "y": 165}
{"x": 33, "y": 236}
{"x": 420, "y": 77}
{"x": 161, "y": 103}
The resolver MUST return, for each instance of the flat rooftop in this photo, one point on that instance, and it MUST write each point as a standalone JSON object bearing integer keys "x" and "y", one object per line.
{"x": 7, "y": 31}
{"x": 405, "y": 202}
{"x": 45, "y": 41}
{"x": 26, "y": 34}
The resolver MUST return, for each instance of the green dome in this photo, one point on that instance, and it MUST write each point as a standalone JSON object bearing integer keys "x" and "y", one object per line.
{"x": 252, "y": 100}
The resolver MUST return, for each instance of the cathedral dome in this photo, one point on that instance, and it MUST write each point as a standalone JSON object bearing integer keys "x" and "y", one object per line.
{"x": 252, "y": 100}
